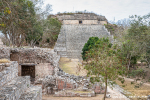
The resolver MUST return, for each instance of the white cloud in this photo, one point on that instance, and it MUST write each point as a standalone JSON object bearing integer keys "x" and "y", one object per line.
{"x": 119, "y": 9}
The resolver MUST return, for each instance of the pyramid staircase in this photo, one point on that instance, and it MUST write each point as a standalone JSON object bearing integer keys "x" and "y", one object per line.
{"x": 73, "y": 37}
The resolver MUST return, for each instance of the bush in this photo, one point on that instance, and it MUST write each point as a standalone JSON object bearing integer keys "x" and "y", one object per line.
{"x": 122, "y": 81}
{"x": 138, "y": 73}
{"x": 132, "y": 82}
{"x": 136, "y": 86}
{"x": 90, "y": 43}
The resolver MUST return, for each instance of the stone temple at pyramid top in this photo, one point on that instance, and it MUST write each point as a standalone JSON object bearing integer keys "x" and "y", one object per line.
{"x": 84, "y": 18}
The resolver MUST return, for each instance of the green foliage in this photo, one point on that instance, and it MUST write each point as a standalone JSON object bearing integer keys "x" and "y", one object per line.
{"x": 136, "y": 86}
{"x": 51, "y": 31}
{"x": 139, "y": 34}
{"x": 19, "y": 18}
{"x": 132, "y": 82}
{"x": 90, "y": 43}
{"x": 137, "y": 73}
{"x": 121, "y": 80}
{"x": 35, "y": 34}
{"x": 102, "y": 59}
{"x": 20, "y": 23}
{"x": 149, "y": 79}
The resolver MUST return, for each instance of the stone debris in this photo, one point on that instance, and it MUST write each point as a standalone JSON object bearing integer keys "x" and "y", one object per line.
{"x": 66, "y": 93}
{"x": 148, "y": 97}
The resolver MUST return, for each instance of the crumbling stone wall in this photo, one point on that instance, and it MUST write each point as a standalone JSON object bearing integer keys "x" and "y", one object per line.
{"x": 4, "y": 52}
{"x": 8, "y": 73}
{"x": 88, "y": 22}
{"x": 45, "y": 60}
{"x": 86, "y": 18}
{"x": 14, "y": 87}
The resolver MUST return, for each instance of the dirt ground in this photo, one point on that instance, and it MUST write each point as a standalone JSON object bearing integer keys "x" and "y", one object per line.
{"x": 142, "y": 91}
{"x": 72, "y": 66}
{"x": 98, "y": 97}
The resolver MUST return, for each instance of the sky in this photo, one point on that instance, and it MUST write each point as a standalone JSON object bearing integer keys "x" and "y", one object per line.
{"x": 113, "y": 10}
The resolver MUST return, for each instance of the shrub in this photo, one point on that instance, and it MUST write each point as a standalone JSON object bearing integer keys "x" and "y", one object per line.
{"x": 132, "y": 82}
{"x": 136, "y": 86}
{"x": 90, "y": 43}
{"x": 122, "y": 81}
{"x": 138, "y": 73}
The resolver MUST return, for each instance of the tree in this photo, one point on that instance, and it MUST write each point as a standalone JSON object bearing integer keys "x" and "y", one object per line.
{"x": 128, "y": 52}
{"x": 22, "y": 20}
{"x": 35, "y": 34}
{"x": 139, "y": 35}
{"x": 103, "y": 59}
{"x": 16, "y": 19}
{"x": 51, "y": 30}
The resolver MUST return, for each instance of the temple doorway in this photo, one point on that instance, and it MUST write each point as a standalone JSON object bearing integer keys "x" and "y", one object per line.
{"x": 28, "y": 70}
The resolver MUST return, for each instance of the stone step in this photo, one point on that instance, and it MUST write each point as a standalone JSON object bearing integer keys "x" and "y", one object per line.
{"x": 62, "y": 53}
{"x": 73, "y": 37}
{"x": 14, "y": 89}
{"x": 32, "y": 93}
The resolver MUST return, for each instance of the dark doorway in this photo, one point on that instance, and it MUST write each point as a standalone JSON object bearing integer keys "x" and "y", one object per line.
{"x": 28, "y": 70}
{"x": 80, "y": 22}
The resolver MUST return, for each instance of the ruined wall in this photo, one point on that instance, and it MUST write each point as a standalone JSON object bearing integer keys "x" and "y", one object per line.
{"x": 85, "y": 16}
{"x": 4, "y": 53}
{"x": 1, "y": 43}
{"x": 45, "y": 60}
{"x": 103, "y": 22}
{"x": 70, "y": 21}
{"x": 14, "y": 87}
{"x": 77, "y": 22}
{"x": 8, "y": 73}
{"x": 89, "y": 21}
{"x": 47, "y": 69}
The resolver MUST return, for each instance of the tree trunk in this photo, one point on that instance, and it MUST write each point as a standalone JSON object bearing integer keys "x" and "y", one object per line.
{"x": 105, "y": 87}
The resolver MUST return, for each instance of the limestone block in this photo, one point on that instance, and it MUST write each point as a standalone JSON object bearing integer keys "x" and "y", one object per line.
{"x": 32, "y": 93}
{"x": 13, "y": 89}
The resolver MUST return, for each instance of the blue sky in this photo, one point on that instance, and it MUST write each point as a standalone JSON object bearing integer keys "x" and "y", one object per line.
{"x": 118, "y": 9}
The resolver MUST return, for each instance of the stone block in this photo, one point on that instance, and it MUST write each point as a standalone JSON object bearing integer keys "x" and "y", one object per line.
{"x": 32, "y": 93}
{"x": 97, "y": 89}
{"x": 60, "y": 84}
{"x": 13, "y": 89}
